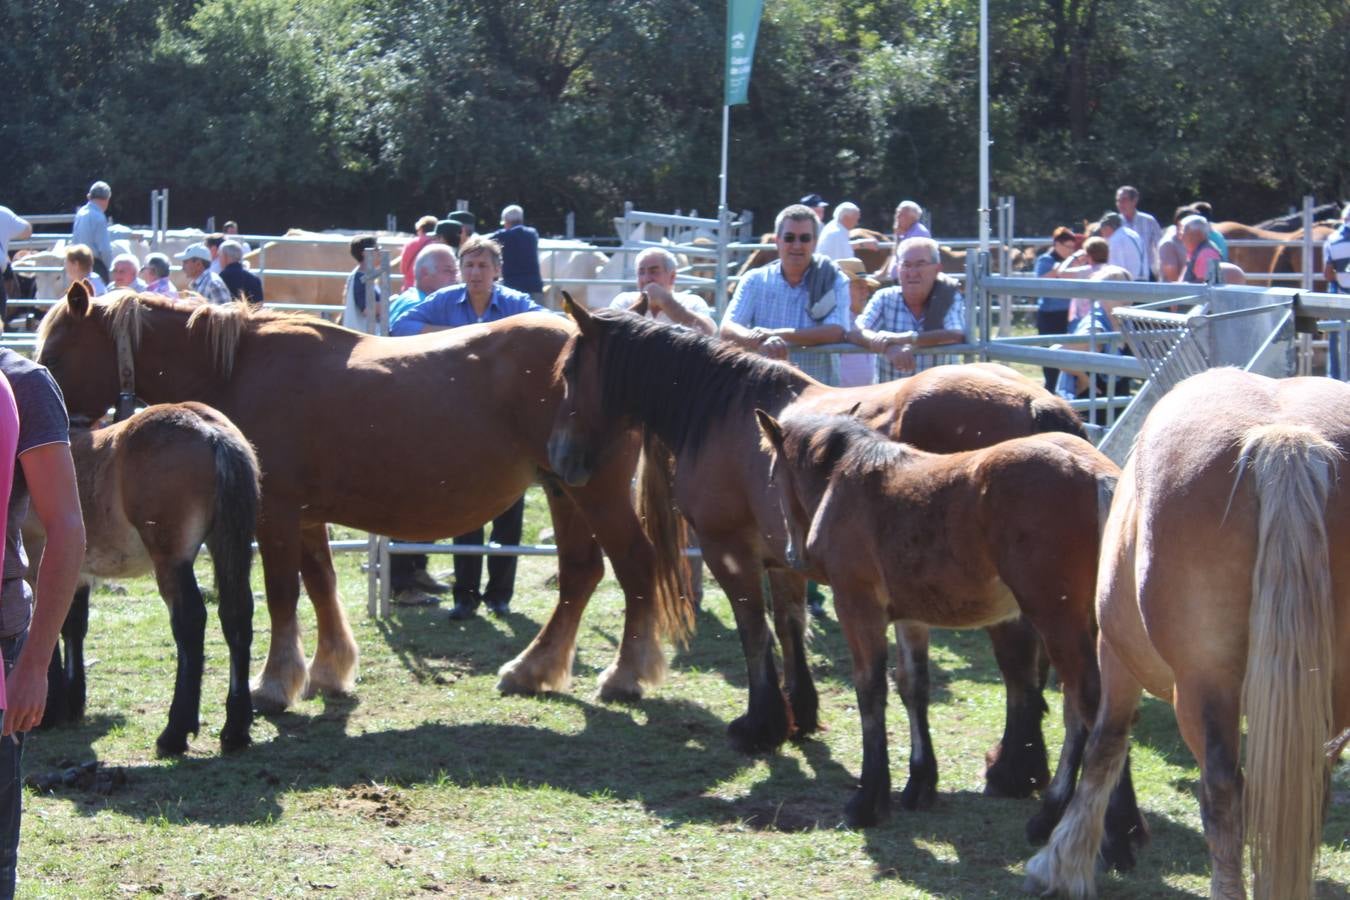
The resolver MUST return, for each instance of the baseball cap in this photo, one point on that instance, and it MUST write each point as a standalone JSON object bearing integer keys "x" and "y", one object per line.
{"x": 194, "y": 251}
{"x": 463, "y": 217}
{"x": 813, "y": 200}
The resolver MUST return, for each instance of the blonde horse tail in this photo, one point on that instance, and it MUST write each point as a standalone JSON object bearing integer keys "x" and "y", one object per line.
{"x": 665, "y": 528}
{"x": 1286, "y": 694}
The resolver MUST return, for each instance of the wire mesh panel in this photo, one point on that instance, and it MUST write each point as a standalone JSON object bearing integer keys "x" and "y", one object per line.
{"x": 1166, "y": 343}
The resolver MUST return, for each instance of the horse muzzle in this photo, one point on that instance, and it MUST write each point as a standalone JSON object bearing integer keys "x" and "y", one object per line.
{"x": 567, "y": 460}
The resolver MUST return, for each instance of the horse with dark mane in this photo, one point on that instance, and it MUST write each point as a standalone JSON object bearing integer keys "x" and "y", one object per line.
{"x": 152, "y": 490}
{"x": 956, "y": 540}
{"x": 698, "y": 396}
{"x": 419, "y": 437}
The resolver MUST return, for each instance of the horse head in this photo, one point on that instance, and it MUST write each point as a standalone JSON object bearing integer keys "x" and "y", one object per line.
{"x": 77, "y": 347}
{"x": 583, "y": 428}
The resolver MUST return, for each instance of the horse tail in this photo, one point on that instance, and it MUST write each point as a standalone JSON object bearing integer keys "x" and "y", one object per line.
{"x": 235, "y": 516}
{"x": 1106, "y": 494}
{"x": 1051, "y": 413}
{"x": 1286, "y": 694}
{"x": 665, "y": 528}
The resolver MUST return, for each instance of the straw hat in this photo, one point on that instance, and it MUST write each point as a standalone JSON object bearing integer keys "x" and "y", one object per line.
{"x": 854, "y": 269}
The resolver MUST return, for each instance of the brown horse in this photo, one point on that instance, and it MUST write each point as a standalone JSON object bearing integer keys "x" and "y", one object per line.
{"x": 698, "y": 396}
{"x": 152, "y": 490}
{"x": 956, "y": 540}
{"x": 1225, "y": 590}
{"x": 418, "y": 437}
{"x": 1257, "y": 261}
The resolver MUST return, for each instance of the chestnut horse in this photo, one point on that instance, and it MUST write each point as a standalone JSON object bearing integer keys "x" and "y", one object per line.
{"x": 954, "y": 540}
{"x": 153, "y": 489}
{"x": 418, "y": 437}
{"x": 1224, "y": 589}
{"x": 698, "y": 396}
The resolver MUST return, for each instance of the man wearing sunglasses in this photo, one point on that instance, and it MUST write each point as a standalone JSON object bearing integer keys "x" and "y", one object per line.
{"x": 799, "y": 301}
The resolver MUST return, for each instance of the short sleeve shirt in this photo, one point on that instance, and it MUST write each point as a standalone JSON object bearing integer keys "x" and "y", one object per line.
{"x": 887, "y": 311}
{"x": 42, "y": 421}
{"x": 10, "y": 225}
{"x": 764, "y": 299}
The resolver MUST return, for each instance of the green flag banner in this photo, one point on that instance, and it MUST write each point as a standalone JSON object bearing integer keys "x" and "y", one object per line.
{"x": 742, "y": 28}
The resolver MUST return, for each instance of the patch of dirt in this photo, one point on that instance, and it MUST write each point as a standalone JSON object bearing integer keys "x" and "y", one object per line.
{"x": 377, "y": 803}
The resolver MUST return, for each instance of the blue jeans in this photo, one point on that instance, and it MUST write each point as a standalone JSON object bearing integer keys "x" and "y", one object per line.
{"x": 11, "y": 784}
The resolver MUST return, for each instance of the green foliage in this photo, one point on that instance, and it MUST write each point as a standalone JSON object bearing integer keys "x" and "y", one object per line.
{"x": 334, "y": 112}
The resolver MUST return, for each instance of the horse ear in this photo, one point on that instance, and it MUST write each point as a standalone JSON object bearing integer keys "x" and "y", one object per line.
{"x": 773, "y": 432}
{"x": 642, "y": 305}
{"x": 579, "y": 313}
{"x": 77, "y": 296}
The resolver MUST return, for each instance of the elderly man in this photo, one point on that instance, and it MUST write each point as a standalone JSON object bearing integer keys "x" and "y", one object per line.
{"x": 656, "y": 268}
{"x": 1200, "y": 253}
{"x": 908, "y": 224}
{"x": 834, "y": 241}
{"x": 1144, "y": 225}
{"x": 817, "y": 204}
{"x": 238, "y": 280}
{"x": 434, "y": 268}
{"x": 925, "y": 309}
{"x": 196, "y": 263}
{"x": 479, "y": 299}
{"x": 91, "y": 226}
{"x": 125, "y": 269}
{"x": 799, "y": 300}
{"x": 519, "y": 254}
{"x": 156, "y": 275}
{"x": 1125, "y": 247}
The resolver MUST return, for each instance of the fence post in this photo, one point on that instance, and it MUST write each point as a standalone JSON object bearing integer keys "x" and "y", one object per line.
{"x": 154, "y": 219}
{"x": 723, "y": 238}
{"x": 391, "y": 222}
{"x": 570, "y": 228}
{"x": 370, "y": 261}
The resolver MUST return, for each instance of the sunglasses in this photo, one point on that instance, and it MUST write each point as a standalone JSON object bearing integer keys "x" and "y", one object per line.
{"x": 791, "y": 238}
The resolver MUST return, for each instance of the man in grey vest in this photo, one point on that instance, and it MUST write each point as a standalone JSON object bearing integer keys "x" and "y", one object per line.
{"x": 925, "y": 309}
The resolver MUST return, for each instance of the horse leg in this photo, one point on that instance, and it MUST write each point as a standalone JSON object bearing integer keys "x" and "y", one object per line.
{"x": 1017, "y": 766}
{"x": 788, "y": 594}
{"x": 911, "y": 680}
{"x": 863, "y": 621}
{"x": 333, "y": 669}
{"x": 1068, "y": 864}
{"x": 232, "y": 557}
{"x": 546, "y": 664}
{"x": 1209, "y": 721}
{"x": 73, "y": 632}
{"x": 768, "y": 721}
{"x": 187, "y": 615}
{"x": 284, "y": 676}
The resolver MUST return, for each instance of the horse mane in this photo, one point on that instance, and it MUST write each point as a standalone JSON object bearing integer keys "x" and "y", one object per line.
{"x": 681, "y": 383}
{"x": 124, "y": 314}
{"x": 839, "y": 443}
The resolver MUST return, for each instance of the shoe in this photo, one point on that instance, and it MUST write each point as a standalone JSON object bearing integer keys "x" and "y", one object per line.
{"x": 816, "y": 608}
{"x": 424, "y": 580}
{"x": 411, "y": 596}
{"x": 466, "y": 607}
{"x": 498, "y": 607}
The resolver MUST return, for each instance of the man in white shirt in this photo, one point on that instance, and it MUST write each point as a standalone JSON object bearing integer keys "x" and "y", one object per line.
{"x": 1144, "y": 225}
{"x": 834, "y": 241}
{"x": 1127, "y": 248}
{"x": 656, "y": 276}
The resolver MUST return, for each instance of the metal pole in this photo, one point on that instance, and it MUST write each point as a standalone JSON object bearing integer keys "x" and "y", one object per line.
{"x": 1308, "y": 242}
{"x": 382, "y": 309}
{"x": 723, "y": 231}
{"x": 984, "y": 126}
{"x": 370, "y": 261}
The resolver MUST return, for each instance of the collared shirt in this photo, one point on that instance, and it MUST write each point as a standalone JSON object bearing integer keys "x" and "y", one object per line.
{"x": 136, "y": 285}
{"x": 164, "y": 287}
{"x": 1127, "y": 251}
{"x": 918, "y": 229}
{"x": 209, "y": 285}
{"x": 450, "y": 307}
{"x": 887, "y": 311}
{"x": 692, "y": 302}
{"x": 91, "y": 229}
{"x": 239, "y": 280}
{"x": 1150, "y": 234}
{"x": 1044, "y": 264}
{"x": 399, "y": 304}
{"x": 834, "y": 241}
{"x": 764, "y": 299}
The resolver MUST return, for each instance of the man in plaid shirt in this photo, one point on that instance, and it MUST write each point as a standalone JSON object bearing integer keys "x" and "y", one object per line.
{"x": 779, "y": 308}
{"x": 925, "y": 309}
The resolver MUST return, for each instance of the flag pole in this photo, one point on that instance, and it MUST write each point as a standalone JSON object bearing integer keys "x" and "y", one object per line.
{"x": 984, "y": 128}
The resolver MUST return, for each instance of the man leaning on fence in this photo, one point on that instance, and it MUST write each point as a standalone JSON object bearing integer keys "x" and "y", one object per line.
{"x": 656, "y": 268}
{"x": 796, "y": 302}
{"x": 925, "y": 309}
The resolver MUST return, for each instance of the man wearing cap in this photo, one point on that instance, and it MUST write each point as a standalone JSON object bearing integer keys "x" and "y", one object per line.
{"x": 156, "y": 275}
{"x": 466, "y": 220}
{"x": 196, "y": 260}
{"x": 520, "y": 254}
{"x": 798, "y": 301}
{"x": 240, "y": 282}
{"x": 124, "y": 269}
{"x": 817, "y": 205}
{"x": 834, "y": 241}
{"x": 91, "y": 227}
{"x": 656, "y": 268}
{"x": 925, "y": 309}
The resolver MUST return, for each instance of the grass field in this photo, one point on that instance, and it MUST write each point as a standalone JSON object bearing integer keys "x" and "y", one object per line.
{"x": 426, "y": 782}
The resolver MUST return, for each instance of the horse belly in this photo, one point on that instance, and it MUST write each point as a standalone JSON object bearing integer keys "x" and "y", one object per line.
{"x": 116, "y": 554}
{"x": 954, "y": 605}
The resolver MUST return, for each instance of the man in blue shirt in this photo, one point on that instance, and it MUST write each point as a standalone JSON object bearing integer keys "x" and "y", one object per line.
{"x": 91, "y": 227}
{"x": 520, "y": 254}
{"x": 479, "y": 299}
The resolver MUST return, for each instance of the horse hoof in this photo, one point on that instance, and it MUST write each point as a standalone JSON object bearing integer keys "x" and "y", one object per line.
{"x": 171, "y": 745}
{"x": 863, "y": 812}
{"x": 616, "y": 692}
{"x": 1008, "y": 782}
{"x": 233, "y": 742}
{"x": 917, "y": 796}
{"x": 751, "y": 738}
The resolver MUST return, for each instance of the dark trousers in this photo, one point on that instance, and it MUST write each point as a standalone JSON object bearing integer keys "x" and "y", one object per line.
{"x": 1052, "y": 322}
{"x": 501, "y": 583}
{"x": 11, "y": 785}
{"x": 401, "y": 569}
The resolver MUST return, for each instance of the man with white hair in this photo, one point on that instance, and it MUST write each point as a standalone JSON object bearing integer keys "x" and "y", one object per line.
{"x": 1126, "y": 247}
{"x": 908, "y": 224}
{"x": 434, "y": 268}
{"x": 125, "y": 267}
{"x": 91, "y": 227}
{"x": 656, "y": 269}
{"x": 925, "y": 309}
{"x": 156, "y": 275}
{"x": 1200, "y": 253}
{"x": 520, "y": 254}
{"x": 240, "y": 281}
{"x": 834, "y": 241}
{"x": 196, "y": 260}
